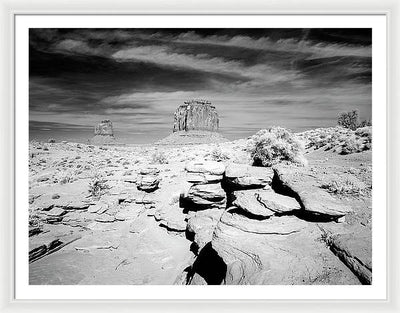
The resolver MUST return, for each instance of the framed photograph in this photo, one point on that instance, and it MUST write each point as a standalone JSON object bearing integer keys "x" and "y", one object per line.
{"x": 200, "y": 156}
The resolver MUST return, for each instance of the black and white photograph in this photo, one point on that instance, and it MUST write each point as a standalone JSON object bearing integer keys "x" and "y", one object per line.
{"x": 200, "y": 156}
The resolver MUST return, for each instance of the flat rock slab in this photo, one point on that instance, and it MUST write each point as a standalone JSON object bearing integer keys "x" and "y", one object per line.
{"x": 276, "y": 202}
{"x": 148, "y": 183}
{"x": 56, "y": 212}
{"x": 149, "y": 171}
{"x": 171, "y": 217}
{"x": 129, "y": 179}
{"x": 202, "y": 225}
{"x": 77, "y": 205}
{"x": 247, "y": 201}
{"x": 207, "y": 196}
{"x": 268, "y": 259}
{"x": 244, "y": 176}
{"x": 105, "y": 218}
{"x": 305, "y": 188}
{"x": 140, "y": 197}
{"x": 355, "y": 250}
{"x": 283, "y": 225}
{"x": 72, "y": 201}
{"x": 99, "y": 207}
{"x": 174, "y": 224}
{"x": 138, "y": 225}
{"x": 152, "y": 257}
{"x": 205, "y": 167}
{"x": 200, "y": 178}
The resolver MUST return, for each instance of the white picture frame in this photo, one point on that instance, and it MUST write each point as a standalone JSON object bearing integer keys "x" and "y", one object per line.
{"x": 10, "y": 10}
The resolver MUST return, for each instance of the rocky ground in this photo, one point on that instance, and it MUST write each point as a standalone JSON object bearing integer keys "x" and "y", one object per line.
{"x": 198, "y": 214}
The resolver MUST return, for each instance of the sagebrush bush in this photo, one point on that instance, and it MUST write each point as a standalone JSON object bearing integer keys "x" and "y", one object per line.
{"x": 34, "y": 219}
{"x": 338, "y": 139}
{"x": 65, "y": 177}
{"x": 365, "y": 132}
{"x": 274, "y": 145}
{"x": 352, "y": 145}
{"x": 365, "y": 123}
{"x": 349, "y": 119}
{"x": 345, "y": 186}
{"x": 217, "y": 154}
{"x": 159, "y": 157}
{"x": 98, "y": 186}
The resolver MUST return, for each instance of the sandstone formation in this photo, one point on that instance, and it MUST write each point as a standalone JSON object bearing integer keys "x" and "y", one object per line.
{"x": 276, "y": 202}
{"x": 355, "y": 252}
{"x": 196, "y": 115}
{"x": 198, "y": 219}
{"x": 247, "y": 201}
{"x": 195, "y": 122}
{"x": 205, "y": 167}
{"x": 201, "y": 225}
{"x": 171, "y": 217}
{"x": 148, "y": 179}
{"x": 248, "y": 241}
{"x": 104, "y": 128}
{"x": 313, "y": 199}
{"x": 103, "y": 133}
{"x": 243, "y": 176}
{"x": 205, "y": 196}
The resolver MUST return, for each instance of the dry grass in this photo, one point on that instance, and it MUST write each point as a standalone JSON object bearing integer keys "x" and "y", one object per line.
{"x": 159, "y": 157}
{"x": 217, "y": 154}
{"x": 345, "y": 186}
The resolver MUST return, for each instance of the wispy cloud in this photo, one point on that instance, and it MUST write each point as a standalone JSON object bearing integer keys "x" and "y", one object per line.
{"x": 138, "y": 77}
{"x": 315, "y": 50}
{"x": 202, "y": 62}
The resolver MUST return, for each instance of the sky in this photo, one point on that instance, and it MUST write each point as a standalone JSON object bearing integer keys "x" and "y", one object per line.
{"x": 256, "y": 78}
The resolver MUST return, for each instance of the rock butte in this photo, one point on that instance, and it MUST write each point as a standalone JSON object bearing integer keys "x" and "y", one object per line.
{"x": 195, "y": 122}
{"x": 103, "y": 133}
{"x": 196, "y": 115}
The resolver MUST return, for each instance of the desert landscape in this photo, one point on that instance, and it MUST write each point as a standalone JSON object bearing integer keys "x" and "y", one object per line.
{"x": 275, "y": 208}
{"x": 200, "y": 157}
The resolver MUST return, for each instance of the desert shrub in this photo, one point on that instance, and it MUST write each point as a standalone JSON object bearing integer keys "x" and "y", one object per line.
{"x": 349, "y": 119}
{"x": 338, "y": 139}
{"x": 98, "y": 186}
{"x": 365, "y": 132}
{"x": 34, "y": 219}
{"x": 326, "y": 237}
{"x": 64, "y": 177}
{"x": 217, "y": 154}
{"x": 365, "y": 123}
{"x": 345, "y": 186}
{"x": 352, "y": 145}
{"x": 159, "y": 157}
{"x": 276, "y": 144}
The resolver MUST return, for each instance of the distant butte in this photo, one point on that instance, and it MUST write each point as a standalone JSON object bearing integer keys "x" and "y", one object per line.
{"x": 103, "y": 133}
{"x": 196, "y": 115}
{"x": 195, "y": 122}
